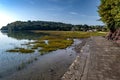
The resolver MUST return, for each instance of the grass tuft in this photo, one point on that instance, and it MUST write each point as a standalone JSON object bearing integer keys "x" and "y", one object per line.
{"x": 21, "y": 50}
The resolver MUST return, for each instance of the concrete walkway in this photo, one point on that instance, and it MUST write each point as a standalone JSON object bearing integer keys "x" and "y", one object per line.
{"x": 99, "y": 60}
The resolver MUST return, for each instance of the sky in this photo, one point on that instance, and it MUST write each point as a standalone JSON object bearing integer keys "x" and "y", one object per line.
{"x": 67, "y": 11}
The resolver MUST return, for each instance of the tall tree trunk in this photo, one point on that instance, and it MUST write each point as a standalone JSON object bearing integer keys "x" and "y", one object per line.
{"x": 114, "y": 35}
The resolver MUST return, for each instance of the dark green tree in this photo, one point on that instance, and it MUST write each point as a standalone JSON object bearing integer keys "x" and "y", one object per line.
{"x": 109, "y": 11}
{"x": 47, "y": 25}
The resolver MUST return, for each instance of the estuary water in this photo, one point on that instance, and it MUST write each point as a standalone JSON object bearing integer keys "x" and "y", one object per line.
{"x": 56, "y": 62}
{"x": 9, "y": 62}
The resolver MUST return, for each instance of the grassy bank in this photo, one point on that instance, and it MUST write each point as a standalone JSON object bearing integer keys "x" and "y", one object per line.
{"x": 73, "y": 34}
{"x": 56, "y": 40}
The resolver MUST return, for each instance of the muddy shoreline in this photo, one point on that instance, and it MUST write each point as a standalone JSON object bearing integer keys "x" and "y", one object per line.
{"x": 51, "y": 66}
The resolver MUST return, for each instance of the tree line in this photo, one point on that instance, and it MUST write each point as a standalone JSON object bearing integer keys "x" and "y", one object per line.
{"x": 47, "y": 25}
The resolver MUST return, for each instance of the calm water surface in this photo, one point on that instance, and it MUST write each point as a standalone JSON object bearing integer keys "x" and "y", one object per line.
{"x": 9, "y": 62}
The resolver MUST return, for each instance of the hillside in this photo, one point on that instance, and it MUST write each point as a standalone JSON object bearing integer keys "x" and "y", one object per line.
{"x": 47, "y": 25}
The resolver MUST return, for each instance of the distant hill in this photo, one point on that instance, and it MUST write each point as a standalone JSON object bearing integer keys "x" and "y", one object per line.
{"x": 47, "y": 25}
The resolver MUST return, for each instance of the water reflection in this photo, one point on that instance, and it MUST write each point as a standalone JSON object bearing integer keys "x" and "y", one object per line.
{"x": 24, "y": 35}
{"x": 10, "y": 62}
{"x": 9, "y": 40}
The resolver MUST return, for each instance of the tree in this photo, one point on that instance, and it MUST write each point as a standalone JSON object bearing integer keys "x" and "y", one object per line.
{"x": 109, "y": 11}
{"x": 46, "y": 25}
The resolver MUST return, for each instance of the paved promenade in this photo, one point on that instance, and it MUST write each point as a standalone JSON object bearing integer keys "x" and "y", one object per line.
{"x": 99, "y": 60}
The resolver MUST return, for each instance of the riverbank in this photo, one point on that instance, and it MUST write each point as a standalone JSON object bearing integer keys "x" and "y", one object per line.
{"x": 99, "y": 60}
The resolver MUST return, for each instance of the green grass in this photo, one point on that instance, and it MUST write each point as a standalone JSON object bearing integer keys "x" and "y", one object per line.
{"x": 72, "y": 34}
{"x": 55, "y": 44}
{"x": 57, "y": 40}
{"x": 21, "y": 50}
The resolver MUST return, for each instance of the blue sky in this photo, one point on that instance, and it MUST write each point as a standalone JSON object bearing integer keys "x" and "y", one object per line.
{"x": 67, "y": 11}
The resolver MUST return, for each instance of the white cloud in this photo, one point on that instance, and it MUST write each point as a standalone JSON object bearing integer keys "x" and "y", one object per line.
{"x": 73, "y": 13}
{"x": 83, "y": 15}
{"x": 55, "y": 9}
{"x": 89, "y": 16}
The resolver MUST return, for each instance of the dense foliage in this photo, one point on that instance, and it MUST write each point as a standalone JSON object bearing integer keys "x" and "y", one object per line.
{"x": 109, "y": 11}
{"x": 45, "y": 25}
